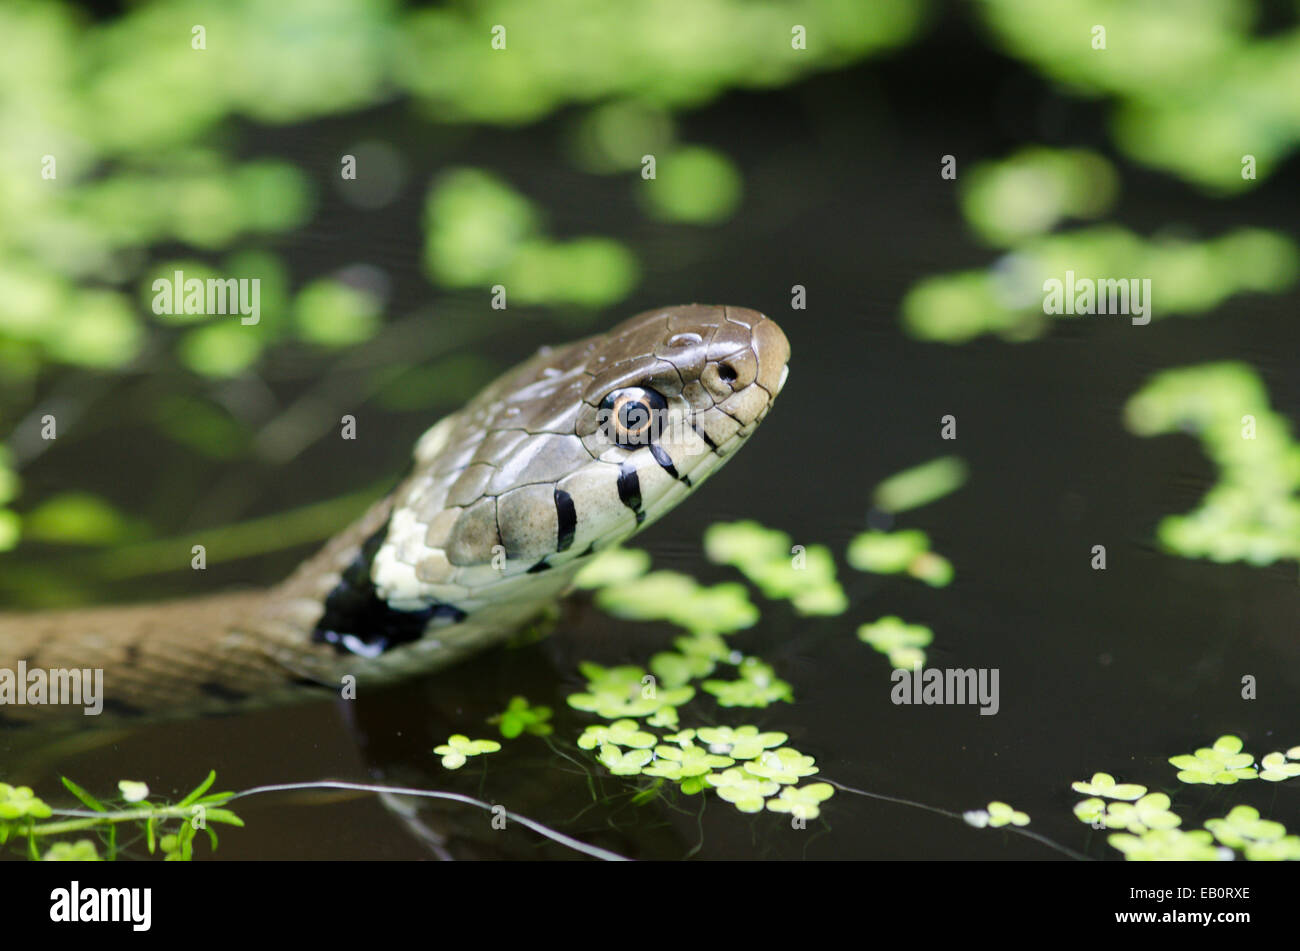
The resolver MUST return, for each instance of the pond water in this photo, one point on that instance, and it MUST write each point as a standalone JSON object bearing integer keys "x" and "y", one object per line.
{"x": 1112, "y": 670}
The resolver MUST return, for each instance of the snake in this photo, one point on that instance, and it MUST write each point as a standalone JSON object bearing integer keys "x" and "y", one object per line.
{"x": 568, "y": 454}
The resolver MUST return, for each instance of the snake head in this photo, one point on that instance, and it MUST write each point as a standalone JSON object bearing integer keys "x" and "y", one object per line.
{"x": 573, "y": 451}
{"x": 679, "y": 389}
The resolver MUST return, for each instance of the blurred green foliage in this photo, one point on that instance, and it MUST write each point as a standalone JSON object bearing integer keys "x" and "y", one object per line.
{"x": 1252, "y": 513}
{"x": 1187, "y": 277}
{"x": 125, "y": 156}
{"x": 1033, "y": 190}
{"x": 1194, "y": 91}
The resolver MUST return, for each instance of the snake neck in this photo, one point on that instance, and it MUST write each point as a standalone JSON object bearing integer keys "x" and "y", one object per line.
{"x": 235, "y": 651}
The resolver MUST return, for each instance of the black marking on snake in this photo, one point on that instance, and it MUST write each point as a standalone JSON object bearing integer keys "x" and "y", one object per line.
{"x": 566, "y": 514}
{"x": 629, "y": 490}
{"x": 713, "y": 446}
{"x": 358, "y": 621}
{"x": 665, "y": 461}
{"x": 540, "y": 566}
{"x": 218, "y": 691}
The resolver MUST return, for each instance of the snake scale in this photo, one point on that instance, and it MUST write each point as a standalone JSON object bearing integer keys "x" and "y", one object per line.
{"x": 569, "y": 453}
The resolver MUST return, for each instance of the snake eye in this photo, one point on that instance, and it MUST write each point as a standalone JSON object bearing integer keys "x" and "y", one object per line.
{"x": 632, "y": 416}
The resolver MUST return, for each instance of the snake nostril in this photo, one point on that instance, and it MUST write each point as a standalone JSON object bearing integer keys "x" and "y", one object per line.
{"x": 727, "y": 373}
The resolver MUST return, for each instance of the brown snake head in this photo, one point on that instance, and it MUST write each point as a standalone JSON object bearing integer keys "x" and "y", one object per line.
{"x": 571, "y": 452}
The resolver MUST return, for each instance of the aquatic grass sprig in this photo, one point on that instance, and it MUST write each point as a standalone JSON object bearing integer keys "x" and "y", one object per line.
{"x": 169, "y": 826}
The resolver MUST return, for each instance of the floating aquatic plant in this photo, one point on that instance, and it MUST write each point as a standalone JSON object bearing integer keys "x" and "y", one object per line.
{"x": 1185, "y": 106}
{"x": 627, "y": 691}
{"x": 1032, "y": 191}
{"x": 803, "y": 802}
{"x": 1148, "y": 812}
{"x": 1252, "y": 513}
{"x": 886, "y": 553}
{"x": 624, "y": 763}
{"x": 83, "y": 850}
{"x": 742, "y": 742}
{"x": 784, "y": 765}
{"x": 804, "y": 575}
{"x": 900, "y": 641}
{"x": 480, "y": 231}
{"x": 681, "y": 762}
{"x": 459, "y": 748}
{"x": 613, "y": 566}
{"x": 619, "y": 733}
{"x": 1274, "y": 767}
{"x": 133, "y": 790}
{"x": 742, "y": 789}
{"x": 1147, "y": 817}
{"x": 920, "y": 485}
{"x": 19, "y": 802}
{"x": 1187, "y": 277}
{"x": 681, "y": 600}
{"x": 757, "y": 686}
{"x": 1242, "y": 826}
{"x": 521, "y": 717}
{"x": 675, "y": 669}
{"x": 689, "y": 757}
{"x": 1223, "y": 763}
{"x": 1103, "y": 784}
{"x": 693, "y": 185}
{"x": 1162, "y": 845}
{"x": 995, "y": 815}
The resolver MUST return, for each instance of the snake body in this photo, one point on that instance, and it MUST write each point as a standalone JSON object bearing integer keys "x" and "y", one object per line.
{"x": 569, "y": 453}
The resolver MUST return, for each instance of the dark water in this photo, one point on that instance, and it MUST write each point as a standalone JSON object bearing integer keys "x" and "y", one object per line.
{"x": 1109, "y": 670}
